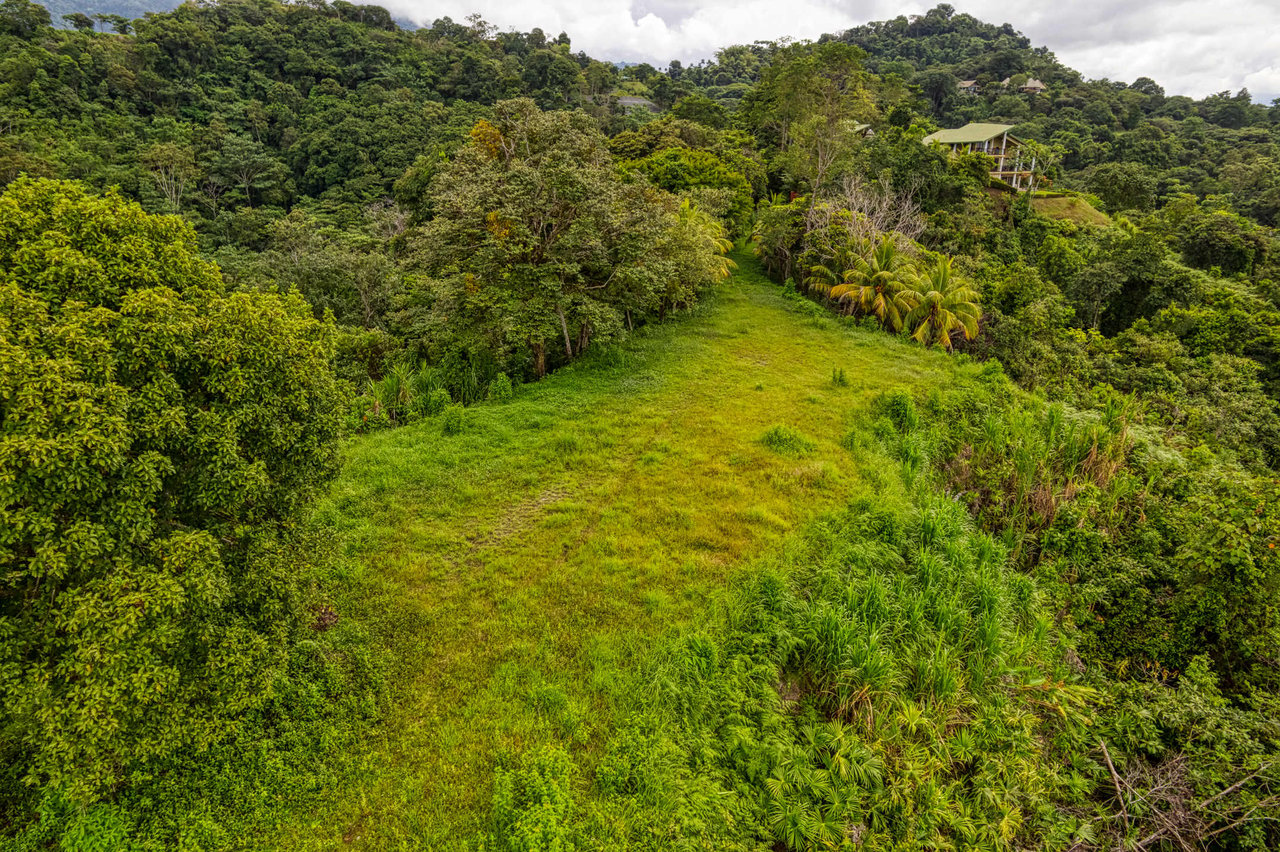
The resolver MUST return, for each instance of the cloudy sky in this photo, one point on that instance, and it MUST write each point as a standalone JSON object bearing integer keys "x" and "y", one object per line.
{"x": 1190, "y": 47}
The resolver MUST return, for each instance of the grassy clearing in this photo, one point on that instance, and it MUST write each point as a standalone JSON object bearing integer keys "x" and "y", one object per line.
{"x": 1070, "y": 208}
{"x": 513, "y": 571}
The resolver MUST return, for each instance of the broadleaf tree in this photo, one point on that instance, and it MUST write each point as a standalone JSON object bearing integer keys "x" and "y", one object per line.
{"x": 158, "y": 439}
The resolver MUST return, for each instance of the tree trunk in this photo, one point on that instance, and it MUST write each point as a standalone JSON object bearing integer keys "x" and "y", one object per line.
{"x": 630, "y": 327}
{"x": 564, "y": 327}
{"x": 539, "y": 358}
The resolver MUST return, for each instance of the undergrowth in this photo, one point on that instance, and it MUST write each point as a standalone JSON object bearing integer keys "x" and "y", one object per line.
{"x": 914, "y": 675}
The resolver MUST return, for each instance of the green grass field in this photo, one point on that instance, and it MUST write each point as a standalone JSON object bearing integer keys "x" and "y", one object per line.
{"x": 515, "y": 572}
{"x": 1070, "y": 208}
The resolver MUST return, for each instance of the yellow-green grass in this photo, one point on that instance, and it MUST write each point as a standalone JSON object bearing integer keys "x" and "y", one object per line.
{"x": 513, "y": 571}
{"x": 1071, "y": 208}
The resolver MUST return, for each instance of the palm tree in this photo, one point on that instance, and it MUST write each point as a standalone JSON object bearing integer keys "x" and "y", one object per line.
{"x": 946, "y": 305}
{"x": 880, "y": 284}
{"x": 709, "y": 235}
{"x": 825, "y": 277}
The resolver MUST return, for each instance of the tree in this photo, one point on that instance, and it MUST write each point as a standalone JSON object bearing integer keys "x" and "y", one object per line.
{"x": 701, "y": 109}
{"x": 173, "y": 168}
{"x": 821, "y": 87}
{"x": 22, "y": 18}
{"x": 879, "y": 284}
{"x": 1123, "y": 186}
{"x": 940, "y": 89}
{"x": 1223, "y": 240}
{"x": 536, "y": 242}
{"x": 118, "y": 23}
{"x": 681, "y": 169}
{"x": 158, "y": 440}
{"x": 944, "y": 305}
{"x": 246, "y": 163}
{"x": 79, "y": 21}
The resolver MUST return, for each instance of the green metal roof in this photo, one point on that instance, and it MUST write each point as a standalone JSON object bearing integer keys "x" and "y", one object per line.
{"x": 968, "y": 134}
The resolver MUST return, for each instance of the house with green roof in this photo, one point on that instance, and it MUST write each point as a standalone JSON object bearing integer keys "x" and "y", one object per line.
{"x": 1014, "y": 164}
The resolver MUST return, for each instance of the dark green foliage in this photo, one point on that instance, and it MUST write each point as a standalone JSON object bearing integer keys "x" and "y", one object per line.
{"x": 23, "y": 19}
{"x": 1219, "y": 239}
{"x": 1123, "y": 186}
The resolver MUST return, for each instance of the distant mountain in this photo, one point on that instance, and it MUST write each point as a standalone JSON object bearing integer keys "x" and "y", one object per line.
{"x": 127, "y": 8}
{"x": 136, "y": 9}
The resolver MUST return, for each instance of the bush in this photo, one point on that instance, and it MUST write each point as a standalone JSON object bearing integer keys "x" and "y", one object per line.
{"x": 453, "y": 421}
{"x": 786, "y": 441}
{"x": 532, "y": 805}
{"x": 366, "y": 414}
{"x": 437, "y": 401}
{"x": 500, "y": 388}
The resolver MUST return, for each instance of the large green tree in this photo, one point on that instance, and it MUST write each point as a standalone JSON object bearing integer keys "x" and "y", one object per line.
{"x": 537, "y": 244}
{"x": 158, "y": 438}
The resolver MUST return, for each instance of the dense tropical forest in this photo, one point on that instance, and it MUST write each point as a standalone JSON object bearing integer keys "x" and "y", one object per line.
{"x": 441, "y": 438}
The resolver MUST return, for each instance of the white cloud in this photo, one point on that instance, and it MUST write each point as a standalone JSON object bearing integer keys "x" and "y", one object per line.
{"x": 1188, "y": 46}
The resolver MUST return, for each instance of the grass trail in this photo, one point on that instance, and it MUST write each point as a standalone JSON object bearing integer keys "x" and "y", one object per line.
{"x": 511, "y": 571}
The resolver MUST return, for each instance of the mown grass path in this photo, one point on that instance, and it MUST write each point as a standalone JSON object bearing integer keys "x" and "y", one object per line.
{"x": 512, "y": 571}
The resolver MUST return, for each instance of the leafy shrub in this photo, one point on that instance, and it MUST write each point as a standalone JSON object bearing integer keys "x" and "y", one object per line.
{"x": 500, "y": 388}
{"x": 786, "y": 441}
{"x": 366, "y": 414}
{"x": 838, "y": 378}
{"x": 437, "y": 401}
{"x": 532, "y": 805}
{"x": 453, "y": 420}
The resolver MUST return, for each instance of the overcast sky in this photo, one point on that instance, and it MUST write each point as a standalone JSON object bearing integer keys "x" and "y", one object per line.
{"x": 1190, "y": 47}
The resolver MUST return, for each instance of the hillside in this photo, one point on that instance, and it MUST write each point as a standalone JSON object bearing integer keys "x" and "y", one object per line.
{"x": 516, "y": 571}
{"x": 443, "y": 438}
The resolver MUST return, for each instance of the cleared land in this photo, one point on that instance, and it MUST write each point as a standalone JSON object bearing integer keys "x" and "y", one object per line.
{"x": 515, "y": 570}
{"x": 1070, "y": 208}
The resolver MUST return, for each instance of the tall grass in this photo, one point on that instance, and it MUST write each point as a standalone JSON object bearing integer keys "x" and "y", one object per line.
{"x": 892, "y": 683}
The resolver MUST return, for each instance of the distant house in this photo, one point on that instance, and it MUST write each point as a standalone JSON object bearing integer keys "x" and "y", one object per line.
{"x": 968, "y": 87}
{"x": 863, "y": 130}
{"x": 1014, "y": 165}
{"x": 1031, "y": 87}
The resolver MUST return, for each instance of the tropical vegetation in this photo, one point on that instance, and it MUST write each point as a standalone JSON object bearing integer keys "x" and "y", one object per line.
{"x": 439, "y": 438}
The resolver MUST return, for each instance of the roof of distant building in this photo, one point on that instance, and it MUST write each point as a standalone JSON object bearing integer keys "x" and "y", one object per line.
{"x": 968, "y": 134}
